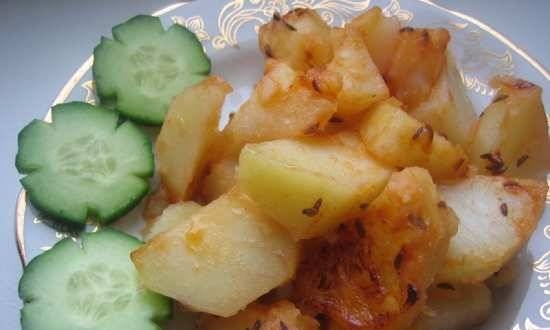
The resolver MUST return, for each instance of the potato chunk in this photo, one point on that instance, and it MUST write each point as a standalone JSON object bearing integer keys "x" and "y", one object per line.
{"x": 417, "y": 64}
{"x": 511, "y": 137}
{"x": 350, "y": 139}
{"x": 309, "y": 185}
{"x": 351, "y": 77}
{"x": 300, "y": 38}
{"x": 283, "y": 105}
{"x": 170, "y": 217}
{"x": 497, "y": 216}
{"x": 381, "y": 35}
{"x": 506, "y": 275}
{"x": 373, "y": 272}
{"x": 220, "y": 178}
{"x": 189, "y": 129}
{"x": 221, "y": 259}
{"x": 282, "y": 315}
{"x": 397, "y": 139}
{"x": 156, "y": 202}
{"x": 455, "y": 307}
{"x": 448, "y": 109}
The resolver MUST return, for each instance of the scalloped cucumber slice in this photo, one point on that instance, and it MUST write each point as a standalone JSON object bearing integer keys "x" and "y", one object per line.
{"x": 143, "y": 67}
{"x": 83, "y": 165}
{"x": 93, "y": 287}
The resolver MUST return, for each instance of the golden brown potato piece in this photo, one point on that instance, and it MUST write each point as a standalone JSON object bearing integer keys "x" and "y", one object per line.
{"x": 381, "y": 35}
{"x": 300, "y": 38}
{"x": 190, "y": 127}
{"x": 506, "y": 275}
{"x": 351, "y": 77}
{"x": 394, "y": 137}
{"x": 448, "y": 110}
{"x": 222, "y": 258}
{"x": 373, "y": 273}
{"x": 497, "y": 216}
{"x": 349, "y": 139}
{"x": 283, "y": 105}
{"x": 455, "y": 307}
{"x": 309, "y": 186}
{"x": 156, "y": 202}
{"x": 282, "y": 315}
{"x": 511, "y": 137}
{"x": 171, "y": 216}
{"x": 416, "y": 64}
{"x": 220, "y": 178}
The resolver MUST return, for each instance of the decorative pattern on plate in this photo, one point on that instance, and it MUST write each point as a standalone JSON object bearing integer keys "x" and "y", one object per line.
{"x": 89, "y": 86}
{"x": 473, "y": 83}
{"x": 542, "y": 267}
{"x": 528, "y": 325}
{"x": 195, "y": 24}
{"x": 545, "y": 311}
{"x": 394, "y": 9}
{"x": 476, "y": 60}
{"x": 237, "y": 13}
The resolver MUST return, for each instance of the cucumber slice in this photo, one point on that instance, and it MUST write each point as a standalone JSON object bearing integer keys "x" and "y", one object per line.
{"x": 93, "y": 287}
{"x": 140, "y": 71}
{"x": 83, "y": 165}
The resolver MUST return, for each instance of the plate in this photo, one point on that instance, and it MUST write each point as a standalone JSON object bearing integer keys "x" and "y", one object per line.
{"x": 228, "y": 32}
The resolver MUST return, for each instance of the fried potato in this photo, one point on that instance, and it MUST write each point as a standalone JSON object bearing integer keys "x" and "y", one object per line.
{"x": 511, "y": 137}
{"x": 506, "y": 275}
{"x": 455, "y": 307}
{"x": 225, "y": 256}
{"x": 170, "y": 217}
{"x": 190, "y": 127}
{"x": 349, "y": 139}
{"x": 417, "y": 64}
{"x": 220, "y": 178}
{"x": 448, "y": 110}
{"x": 283, "y": 105}
{"x": 300, "y": 38}
{"x": 395, "y": 138}
{"x": 282, "y": 315}
{"x": 373, "y": 273}
{"x": 309, "y": 185}
{"x": 497, "y": 216}
{"x": 156, "y": 202}
{"x": 351, "y": 77}
{"x": 381, "y": 35}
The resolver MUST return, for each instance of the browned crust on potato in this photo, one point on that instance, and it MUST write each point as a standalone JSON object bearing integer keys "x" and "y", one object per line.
{"x": 372, "y": 273}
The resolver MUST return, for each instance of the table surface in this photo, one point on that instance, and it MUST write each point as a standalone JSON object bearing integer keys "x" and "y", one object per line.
{"x": 43, "y": 42}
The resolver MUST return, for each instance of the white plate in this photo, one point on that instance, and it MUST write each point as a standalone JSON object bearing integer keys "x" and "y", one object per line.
{"x": 227, "y": 29}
